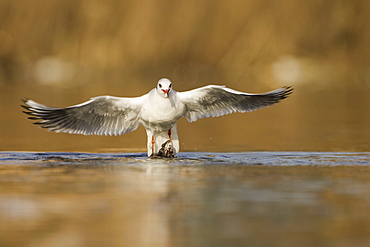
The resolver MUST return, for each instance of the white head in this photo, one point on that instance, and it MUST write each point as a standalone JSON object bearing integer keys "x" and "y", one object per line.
{"x": 164, "y": 87}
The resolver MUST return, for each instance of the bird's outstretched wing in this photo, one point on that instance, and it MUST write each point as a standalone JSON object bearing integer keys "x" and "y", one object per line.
{"x": 104, "y": 115}
{"x": 214, "y": 101}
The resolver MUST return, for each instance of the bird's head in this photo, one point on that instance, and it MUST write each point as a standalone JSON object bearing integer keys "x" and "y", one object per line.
{"x": 164, "y": 87}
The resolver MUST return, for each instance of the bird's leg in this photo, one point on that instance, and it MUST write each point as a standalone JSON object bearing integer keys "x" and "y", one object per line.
{"x": 169, "y": 134}
{"x": 153, "y": 142}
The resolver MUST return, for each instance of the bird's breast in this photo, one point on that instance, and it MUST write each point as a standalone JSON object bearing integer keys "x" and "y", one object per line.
{"x": 161, "y": 113}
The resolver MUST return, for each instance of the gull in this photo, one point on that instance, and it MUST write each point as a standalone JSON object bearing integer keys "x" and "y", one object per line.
{"x": 158, "y": 111}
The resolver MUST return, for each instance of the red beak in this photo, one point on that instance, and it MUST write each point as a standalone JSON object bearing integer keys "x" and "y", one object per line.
{"x": 165, "y": 91}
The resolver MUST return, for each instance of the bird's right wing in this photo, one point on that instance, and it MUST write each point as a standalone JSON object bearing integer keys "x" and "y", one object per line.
{"x": 104, "y": 115}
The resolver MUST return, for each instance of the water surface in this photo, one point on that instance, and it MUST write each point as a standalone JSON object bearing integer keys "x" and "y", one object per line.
{"x": 197, "y": 199}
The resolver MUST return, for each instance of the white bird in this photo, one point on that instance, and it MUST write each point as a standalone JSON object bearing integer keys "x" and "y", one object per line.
{"x": 158, "y": 111}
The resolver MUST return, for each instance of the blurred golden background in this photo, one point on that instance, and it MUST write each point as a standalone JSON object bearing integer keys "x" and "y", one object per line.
{"x": 61, "y": 53}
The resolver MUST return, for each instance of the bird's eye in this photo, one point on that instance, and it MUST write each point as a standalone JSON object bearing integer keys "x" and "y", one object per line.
{"x": 170, "y": 85}
{"x": 160, "y": 85}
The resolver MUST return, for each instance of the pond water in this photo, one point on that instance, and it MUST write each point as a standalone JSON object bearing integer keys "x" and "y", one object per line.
{"x": 197, "y": 199}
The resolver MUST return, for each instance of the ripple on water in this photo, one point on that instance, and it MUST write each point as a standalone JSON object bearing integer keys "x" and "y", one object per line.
{"x": 191, "y": 158}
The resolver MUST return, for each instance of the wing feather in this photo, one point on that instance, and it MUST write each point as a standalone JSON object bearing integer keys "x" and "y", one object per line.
{"x": 104, "y": 115}
{"x": 214, "y": 101}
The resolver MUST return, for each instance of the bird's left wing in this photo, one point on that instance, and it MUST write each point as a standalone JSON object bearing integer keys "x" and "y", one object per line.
{"x": 104, "y": 115}
{"x": 214, "y": 101}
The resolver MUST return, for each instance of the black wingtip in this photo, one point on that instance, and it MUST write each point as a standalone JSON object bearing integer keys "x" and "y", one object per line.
{"x": 288, "y": 91}
{"x": 27, "y": 112}
{"x": 34, "y": 118}
{"x": 24, "y": 100}
{"x": 289, "y": 88}
{"x": 25, "y": 107}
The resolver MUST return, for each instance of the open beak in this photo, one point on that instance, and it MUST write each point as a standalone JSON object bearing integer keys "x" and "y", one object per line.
{"x": 165, "y": 91}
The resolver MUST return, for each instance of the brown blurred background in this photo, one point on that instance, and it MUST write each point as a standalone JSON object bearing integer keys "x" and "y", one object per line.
{"x": 63, "y": 52}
